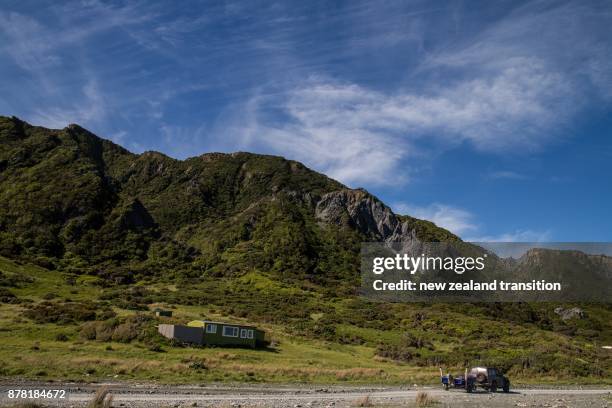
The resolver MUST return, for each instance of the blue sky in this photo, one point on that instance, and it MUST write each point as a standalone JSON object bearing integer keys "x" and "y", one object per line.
{"x": 492, "y": 119}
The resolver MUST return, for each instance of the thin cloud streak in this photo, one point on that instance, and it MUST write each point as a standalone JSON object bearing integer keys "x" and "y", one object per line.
{"x": 505, "y": 175}
{"x": 360, "y": 135}
{"x": 456, "y": 220}
{"x": 516, "y": 236}
{"x": 514, "y": 92}
{"x": 463, "y": 223}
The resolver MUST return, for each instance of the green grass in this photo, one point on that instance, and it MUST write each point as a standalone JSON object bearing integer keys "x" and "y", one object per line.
{"x": 348, "y": 356}
{"x": 45, "y": 282}
{"x": 31, "y": 351}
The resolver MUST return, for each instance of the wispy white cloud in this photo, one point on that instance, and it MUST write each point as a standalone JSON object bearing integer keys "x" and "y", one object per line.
{"x": 487, "y": 112}
{"x": 318, "y": 132}
{"x": 62, "y": 85}
{"x": 571, "y": 37}
{"x": 510, "y": 87}
{"x": 454, "y": 219}
{"x": 92, "y": 107}
{"x": 505, "y": 175}
{"x": 516, "y": 236}
{"x": 118, "y": 137}
{"x": 360, "y": 135}
{"x": 25, "y": 41}
{"x": 35, "y": 45}
{"x": 464, "y": 223}
{"x": 183, "y": 142}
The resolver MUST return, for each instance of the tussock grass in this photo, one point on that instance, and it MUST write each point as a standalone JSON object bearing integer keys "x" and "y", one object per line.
{"x": 363, "y": 402}
{"x": 424, "y": 400}
{"x": 102, "y": 399}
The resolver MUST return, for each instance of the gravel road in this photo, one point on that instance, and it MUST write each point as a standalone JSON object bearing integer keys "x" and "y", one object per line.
{"x": 152, "y": 396}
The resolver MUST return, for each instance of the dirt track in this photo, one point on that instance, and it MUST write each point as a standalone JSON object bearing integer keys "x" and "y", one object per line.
{"x": 307, "y": 396}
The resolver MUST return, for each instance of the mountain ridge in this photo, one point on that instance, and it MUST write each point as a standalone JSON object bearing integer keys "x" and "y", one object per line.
{"x": 84, "y": 213}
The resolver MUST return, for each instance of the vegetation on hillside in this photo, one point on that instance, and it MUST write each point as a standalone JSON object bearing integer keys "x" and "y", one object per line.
{"x": 315, "y": 337}
{"x": 93, "y": 236}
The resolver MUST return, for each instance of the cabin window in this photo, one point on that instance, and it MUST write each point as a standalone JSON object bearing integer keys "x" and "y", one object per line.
{"x": 250, "y": 334}
{"x": 243, "y": 333}
{"x": 211, "y": 328}
{"x": 230, "y": 331}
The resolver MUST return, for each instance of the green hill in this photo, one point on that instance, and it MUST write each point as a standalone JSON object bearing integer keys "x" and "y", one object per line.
{"x": 92, "y": 236}
{"x": 74, "y": 201}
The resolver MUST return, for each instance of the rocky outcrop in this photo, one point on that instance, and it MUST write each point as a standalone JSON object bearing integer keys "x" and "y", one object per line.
{"x": 568, "y": 314}
{"x": 362, "y": 211}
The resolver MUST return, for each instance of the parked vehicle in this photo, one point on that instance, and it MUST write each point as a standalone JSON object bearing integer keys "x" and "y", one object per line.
{"x": 487, "y": 378}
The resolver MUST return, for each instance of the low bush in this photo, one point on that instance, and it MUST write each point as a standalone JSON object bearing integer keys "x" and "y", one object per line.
{"x": 14, "y": 280}
{"x": 395, "y": 352}
{"x": 125, "y": 332}
{"x": 155, "y": 348}
{"x": 6, "y": 296}
{"x": 61, "y": 312}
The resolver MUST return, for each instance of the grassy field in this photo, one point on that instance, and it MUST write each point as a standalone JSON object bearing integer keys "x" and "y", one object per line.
{"x": 33, "y": 351}
{"x": 59, "y": 351}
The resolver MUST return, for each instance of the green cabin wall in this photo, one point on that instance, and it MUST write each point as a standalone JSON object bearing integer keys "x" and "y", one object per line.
{"x": 220, "y": 340}
{"x": 195, "y": 332}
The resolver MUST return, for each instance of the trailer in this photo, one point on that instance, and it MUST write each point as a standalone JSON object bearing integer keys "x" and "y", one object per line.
{"x": 449, "y": 381}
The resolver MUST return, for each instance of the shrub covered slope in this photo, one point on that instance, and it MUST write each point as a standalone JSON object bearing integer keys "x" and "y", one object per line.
{"x": 92, "y": 236}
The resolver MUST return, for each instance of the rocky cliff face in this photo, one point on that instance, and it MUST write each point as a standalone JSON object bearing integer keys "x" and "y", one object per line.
{"x": 362, "y": 211}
